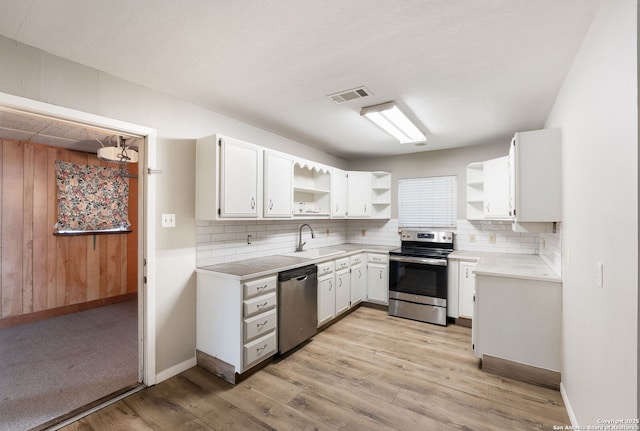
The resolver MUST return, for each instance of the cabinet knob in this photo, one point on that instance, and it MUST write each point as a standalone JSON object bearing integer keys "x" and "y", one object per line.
{"x": 253, "y": 203}
{"x": 380, "y": 274}
{"x": 264, "y": 304}
{"x": 330, "y": 285}
{"x": 260, "y": 325}
{"x": 336, "y": 207}
{"x": 270, "y": 204}
{"x": 259, "y": 349}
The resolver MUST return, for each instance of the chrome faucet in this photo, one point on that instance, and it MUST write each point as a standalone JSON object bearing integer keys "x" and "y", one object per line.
{"x": 300, "y": 243}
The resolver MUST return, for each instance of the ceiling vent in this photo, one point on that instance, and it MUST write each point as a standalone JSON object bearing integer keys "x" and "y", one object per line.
{"x": 347, "y": 95}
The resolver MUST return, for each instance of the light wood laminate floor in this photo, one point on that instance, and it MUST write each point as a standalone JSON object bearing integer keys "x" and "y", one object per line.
{"x": 368, "y": 371}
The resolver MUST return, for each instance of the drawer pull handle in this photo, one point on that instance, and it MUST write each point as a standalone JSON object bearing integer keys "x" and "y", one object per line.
{"x": 261, "y": 325}
{"x": 260, "y": 349}
{"x": 264, "y": 304}
{"x": 261, "y": 287}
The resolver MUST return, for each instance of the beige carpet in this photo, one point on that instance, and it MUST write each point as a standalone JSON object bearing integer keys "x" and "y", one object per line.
{"x": 54, "y": 366}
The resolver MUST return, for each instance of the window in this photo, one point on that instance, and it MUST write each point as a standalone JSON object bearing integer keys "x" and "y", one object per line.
{"x": 427, "y": 202}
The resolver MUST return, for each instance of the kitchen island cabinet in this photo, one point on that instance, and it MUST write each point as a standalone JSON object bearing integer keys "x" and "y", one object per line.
{"x": 516, "y": 327}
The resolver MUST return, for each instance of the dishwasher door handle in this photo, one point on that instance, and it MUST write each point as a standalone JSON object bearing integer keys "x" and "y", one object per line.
{"x": 303, "y": 278}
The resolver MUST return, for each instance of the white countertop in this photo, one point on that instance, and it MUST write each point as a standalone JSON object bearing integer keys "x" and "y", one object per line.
{"x": 524, "y": 266}
{"x": 270, "y": 265}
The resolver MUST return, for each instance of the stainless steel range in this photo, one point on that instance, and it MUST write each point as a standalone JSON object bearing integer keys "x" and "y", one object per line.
{"x": 418, "y": 276}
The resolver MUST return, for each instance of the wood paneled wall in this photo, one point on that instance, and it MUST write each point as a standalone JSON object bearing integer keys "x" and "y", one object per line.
{"x": 40, "y": 271}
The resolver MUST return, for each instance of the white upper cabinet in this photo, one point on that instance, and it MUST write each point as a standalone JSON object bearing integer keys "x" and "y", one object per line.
{"x": 475, "y": 191}
{"x": 536, "y": 176}
{"x": 278, "y": 189}
{"x": 359, "y": 194}
{"x": 228, "y": 178}
{"x": 380, "y": 195}
{"x": 311, "y": 189}
{"x": 240, "y": 180}
{"x": 496, "y": 188}
{"x": 338, "y": 193}
{"x": 240, "y": 164}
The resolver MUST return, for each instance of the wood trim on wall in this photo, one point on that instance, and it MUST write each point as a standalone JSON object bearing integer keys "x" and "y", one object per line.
{"x": 40, "y": 271}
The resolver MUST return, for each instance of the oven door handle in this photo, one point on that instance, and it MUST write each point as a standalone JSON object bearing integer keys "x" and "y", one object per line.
{"x": 423, "y": 260}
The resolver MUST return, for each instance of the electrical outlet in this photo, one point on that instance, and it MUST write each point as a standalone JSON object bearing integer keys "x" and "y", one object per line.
{"x": 168, "y": 220}
{"x": 472, "y": 238}
{"x": 363, "y": 232}
{"x": 328, "y": 232}
{"x": 492, "y": 238}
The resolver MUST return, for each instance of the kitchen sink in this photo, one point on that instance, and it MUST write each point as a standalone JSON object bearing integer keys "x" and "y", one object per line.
{"x": 314, "y": 253}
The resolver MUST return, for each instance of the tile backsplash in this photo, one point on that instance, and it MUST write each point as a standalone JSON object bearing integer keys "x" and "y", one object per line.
{"x": 229, "y": 241}
{"x": 494, "y": 236}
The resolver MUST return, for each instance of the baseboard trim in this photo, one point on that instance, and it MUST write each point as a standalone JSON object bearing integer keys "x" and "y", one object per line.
{"x": 176, "y": 369}
{"x": 568, "y": 407}
{"x": 523, "y": 372}
{"x": 463, "y": 321}
{"x": 67, "y": 309}
{"x": 225, "y": 371}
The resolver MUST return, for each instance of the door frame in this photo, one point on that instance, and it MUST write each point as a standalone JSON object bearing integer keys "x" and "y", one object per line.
{"x": 146, "y": 224}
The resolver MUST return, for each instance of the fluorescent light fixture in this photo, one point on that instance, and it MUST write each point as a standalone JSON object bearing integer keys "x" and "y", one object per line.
{"x": 392, "y": 120}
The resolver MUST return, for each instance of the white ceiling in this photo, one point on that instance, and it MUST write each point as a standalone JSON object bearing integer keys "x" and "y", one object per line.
{"x": 469, "y": 71}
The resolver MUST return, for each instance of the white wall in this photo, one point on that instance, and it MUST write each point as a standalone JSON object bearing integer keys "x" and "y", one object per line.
{"x": 431, "y": 164}
{"x": 34, "y": 74}
{"x": 597, "y": 111}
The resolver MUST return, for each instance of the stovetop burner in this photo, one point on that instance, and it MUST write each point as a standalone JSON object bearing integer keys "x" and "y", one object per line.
{"x": 422, "y": 252}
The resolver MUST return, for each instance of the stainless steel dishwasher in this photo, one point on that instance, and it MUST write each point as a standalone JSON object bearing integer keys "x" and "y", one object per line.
{"x": 297, "y": 306}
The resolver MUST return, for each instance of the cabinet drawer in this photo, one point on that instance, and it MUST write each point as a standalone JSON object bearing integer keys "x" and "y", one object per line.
{"x": 325, "y": 268}
{"x": 356, "y": 259}
{"x": 260, "y": 325}
{"x": 260, "y": 286}
{"x": 379, "y": 258}
{"x": 259, "y": 304}
{"x": 259, "y": 349}
{"x": 342, "y": 264}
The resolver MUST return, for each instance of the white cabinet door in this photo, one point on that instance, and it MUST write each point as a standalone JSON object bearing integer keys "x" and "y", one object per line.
{"x": 338, "y": 193}
{"x": 496, "y": 188}
{"x": 343, "y": 291}
{"x": 239, "y": 174}
{"x": 326, "y": 299}
{"x": 359, "y": 194}
{"x": 278, "y": 185}
{"x": 467, "y": 288}
{"x": 357, "y": 284}
{"x": 378, "y": 283}
{"x": 536, "y": 170}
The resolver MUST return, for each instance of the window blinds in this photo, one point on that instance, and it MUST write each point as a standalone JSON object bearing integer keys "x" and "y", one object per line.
{"x": 427, "y": 202}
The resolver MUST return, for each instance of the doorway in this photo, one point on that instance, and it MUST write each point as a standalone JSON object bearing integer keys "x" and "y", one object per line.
{"x": 79, "y": 320}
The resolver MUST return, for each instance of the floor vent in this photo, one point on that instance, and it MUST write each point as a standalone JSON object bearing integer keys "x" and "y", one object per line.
{"x": 347, "y": 95}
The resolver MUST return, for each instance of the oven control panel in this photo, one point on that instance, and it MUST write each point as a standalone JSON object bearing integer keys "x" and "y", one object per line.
{"x": 427, "y": 236}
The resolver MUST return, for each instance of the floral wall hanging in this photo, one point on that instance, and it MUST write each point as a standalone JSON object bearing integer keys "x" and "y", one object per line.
{"x": 91, "y": 199}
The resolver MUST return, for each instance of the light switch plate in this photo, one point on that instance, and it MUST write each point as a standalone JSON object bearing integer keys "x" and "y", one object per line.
{"x": 168, "y": 220}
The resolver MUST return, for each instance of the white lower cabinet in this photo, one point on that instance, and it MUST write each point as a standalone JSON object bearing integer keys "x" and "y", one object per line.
{"x": 236, "y": 323}
{"x": 343, "y": 285}
{"x": 326, "y": 292}
{"x": 378, "y": 278}
{"x": 358, "y": 280}
{"x": 466, "y": 289}
{"x": 533, "y": 310}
